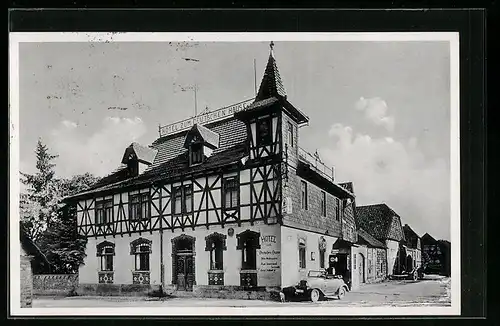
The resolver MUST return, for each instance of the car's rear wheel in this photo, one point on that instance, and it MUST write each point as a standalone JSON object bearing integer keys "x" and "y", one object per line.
{"x": 341, "y": 293}
{"x": 315, "y": 295}
{"x": 415, "y": 276}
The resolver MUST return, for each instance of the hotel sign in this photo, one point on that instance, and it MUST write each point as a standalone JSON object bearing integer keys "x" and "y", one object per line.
{"x": 204, "y": 118}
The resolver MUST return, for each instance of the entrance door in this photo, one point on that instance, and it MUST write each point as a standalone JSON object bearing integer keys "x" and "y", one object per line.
{"x": 185, "y": 273}
{"x": 361, "y": 268}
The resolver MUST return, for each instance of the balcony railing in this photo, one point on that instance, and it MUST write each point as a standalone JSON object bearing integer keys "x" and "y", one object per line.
{"x": 316, "y": 164}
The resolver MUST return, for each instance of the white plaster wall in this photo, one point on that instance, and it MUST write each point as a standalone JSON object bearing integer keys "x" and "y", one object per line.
{"x": 123, "y": 262}
{"x": 392, "y": 253}
{"x": 231, "y": 256}
{"x": 291, "y": 273}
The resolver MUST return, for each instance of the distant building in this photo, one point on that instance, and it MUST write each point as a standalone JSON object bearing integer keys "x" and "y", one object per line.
{"x": 222, "y": 205}
{"x": 436, "y": 255}
{"x": 382, "y": 223}
{"x": 413, "y": 248}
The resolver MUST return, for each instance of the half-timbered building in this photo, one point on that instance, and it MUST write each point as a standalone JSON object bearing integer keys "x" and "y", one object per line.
{"x": 221, "y": 202}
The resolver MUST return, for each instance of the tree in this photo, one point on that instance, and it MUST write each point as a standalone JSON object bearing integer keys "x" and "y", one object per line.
{"x": 60, "y": 242}
{"x": 49, "y": 223}
{"x": 40, "y": 204}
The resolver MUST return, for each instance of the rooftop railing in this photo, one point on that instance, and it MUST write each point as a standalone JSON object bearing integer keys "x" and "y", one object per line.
{"x": 316, "y": 164}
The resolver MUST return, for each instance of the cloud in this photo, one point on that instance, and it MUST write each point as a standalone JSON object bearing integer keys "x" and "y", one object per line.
{"x": 375, "y": 110}
{"x": 99, "y": 153}
{"x": 395, "y": 172}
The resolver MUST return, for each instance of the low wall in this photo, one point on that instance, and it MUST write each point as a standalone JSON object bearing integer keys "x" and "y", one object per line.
{"x": 140, "y": 290}
{"x": 55, "y": 284}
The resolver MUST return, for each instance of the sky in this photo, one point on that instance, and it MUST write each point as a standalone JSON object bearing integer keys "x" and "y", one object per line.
{"x": 379, "y": 111}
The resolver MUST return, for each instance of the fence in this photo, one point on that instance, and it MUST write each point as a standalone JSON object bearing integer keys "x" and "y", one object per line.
{"x": 55, "y": 284}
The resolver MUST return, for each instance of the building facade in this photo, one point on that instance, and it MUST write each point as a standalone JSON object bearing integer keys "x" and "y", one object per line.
{"x": 382, "y": 223}
{"x": 232, "y": 204}
{"x": 436, "y": 255}
{"x": 413, "y": 248}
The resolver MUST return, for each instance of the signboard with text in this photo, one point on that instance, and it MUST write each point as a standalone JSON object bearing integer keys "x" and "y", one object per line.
{"x": 269, "y": 273}
{"x": 204, "y": 118}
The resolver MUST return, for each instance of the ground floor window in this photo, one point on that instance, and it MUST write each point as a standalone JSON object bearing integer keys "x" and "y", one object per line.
{"x": 248, "y": 243}
{"x": 105, "y": 252}
{"x": 302, "y": 253}
{"x": 141, "y": 249}
{"x": 215, "y": 245}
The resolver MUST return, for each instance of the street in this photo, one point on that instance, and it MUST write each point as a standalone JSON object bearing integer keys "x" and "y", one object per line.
{"x": 432, "y": 291}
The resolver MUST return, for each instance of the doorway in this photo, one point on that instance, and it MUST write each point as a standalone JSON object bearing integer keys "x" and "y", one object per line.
{"x": 183, "y": 262}
{"x": 361, "y": 268}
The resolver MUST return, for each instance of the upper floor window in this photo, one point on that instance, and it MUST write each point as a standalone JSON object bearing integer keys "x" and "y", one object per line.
{"x": 104, "y": 211}
{"x": 337, "y": 208}
{"x": 215, "y": 245}
{"x": 231, "y": 192}
{"x": 289, "y": 132}
{"x": 139, "y": 207}
{"x": 183, "y": 199}
{"x": 196, "y": 153}
{"x": 264, "y": 133}
{"x": 302, "y": 253}
{"x": 141, "y": 249}
{"x": 248, "y": 243}
{"x": 105, "y": 252}
{"x": 323, "y": 203}
{"x": 303, "y": 195}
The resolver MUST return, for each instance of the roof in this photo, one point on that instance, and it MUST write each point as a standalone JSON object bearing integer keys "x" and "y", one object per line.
{"x": 371, "y": 241}
{"x": 144, "y": 154}
{"x": 29, "y": 246}
{"x": 175, "y": 167}
{"x": 410, "y": 236}
{"x": 208, "y": 136}
{"x": 428, "y": 238}
{"x": 271, "y": 84}
{"x": 376, "y": 219}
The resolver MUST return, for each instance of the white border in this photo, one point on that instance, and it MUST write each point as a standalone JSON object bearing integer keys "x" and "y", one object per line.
{"x": 14, "y": 263}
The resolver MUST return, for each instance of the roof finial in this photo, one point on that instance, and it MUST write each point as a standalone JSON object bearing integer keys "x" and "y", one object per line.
{"x": 271, "y": 45}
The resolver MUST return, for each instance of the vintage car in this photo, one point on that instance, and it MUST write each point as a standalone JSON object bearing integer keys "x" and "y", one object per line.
{"x": 317, "y": 286}
{"x": 415, "y": 274}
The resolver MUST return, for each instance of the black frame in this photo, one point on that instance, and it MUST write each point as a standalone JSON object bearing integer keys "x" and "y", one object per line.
{"x": 470, "y": 23}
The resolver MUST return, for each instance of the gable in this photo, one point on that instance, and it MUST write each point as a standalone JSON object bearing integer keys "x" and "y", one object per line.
{"x": 395, "y": 230}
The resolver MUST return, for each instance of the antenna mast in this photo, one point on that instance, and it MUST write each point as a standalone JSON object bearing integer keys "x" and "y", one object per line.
{"x": 255, "y": 76}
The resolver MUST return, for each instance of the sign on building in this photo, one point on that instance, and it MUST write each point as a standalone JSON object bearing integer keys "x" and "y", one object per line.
{"x": 204, "y": 118}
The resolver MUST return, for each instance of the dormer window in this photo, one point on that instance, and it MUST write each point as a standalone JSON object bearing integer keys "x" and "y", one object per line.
{"x": 196, "y": 153}
{"x": 264, "y": 134}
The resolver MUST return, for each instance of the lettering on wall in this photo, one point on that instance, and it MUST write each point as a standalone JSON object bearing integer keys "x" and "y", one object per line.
{"x": 269, "y": 272}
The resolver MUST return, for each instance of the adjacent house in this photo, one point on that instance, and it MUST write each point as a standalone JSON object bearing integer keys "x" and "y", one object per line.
{"x": 413, "y": 248}
{"x": 222, "y": 202}
{"x": 384, "y": 224}
{"x": 374, "y": 252}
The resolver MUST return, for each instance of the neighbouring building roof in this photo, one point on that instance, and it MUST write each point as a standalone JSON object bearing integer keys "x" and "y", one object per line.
{"x": 380, "y": 221}
{"x": 365, "y": 238}
{"x": 411, "y": 237}
{"x": 29, "y": 247}
{"x": 428, "y": 239}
